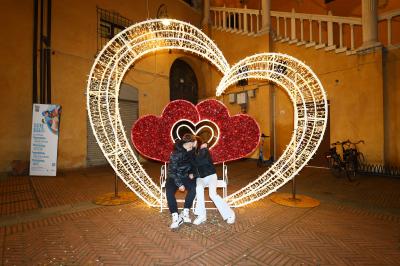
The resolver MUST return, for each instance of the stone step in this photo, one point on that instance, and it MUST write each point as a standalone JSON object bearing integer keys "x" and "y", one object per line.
{"x": 310, "y": 44}
{"x": 341, "y": 50}
{"x": 351, "y": 52}
{"x": 301, "y": 43}
{"x": 285, "y": 39}
{"x": 320, "y": 46}
{"x": 330, "y": 48}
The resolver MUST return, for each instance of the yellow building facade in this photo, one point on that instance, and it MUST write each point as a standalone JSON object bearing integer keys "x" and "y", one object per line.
{"x": 363, "y": 88}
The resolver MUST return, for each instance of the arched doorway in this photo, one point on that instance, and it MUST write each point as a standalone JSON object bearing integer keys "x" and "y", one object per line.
{"x": 183, "y": 82}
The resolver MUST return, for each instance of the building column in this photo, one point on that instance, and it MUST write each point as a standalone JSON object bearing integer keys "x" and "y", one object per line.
{"x": 206, "y": 13}
{"x": 266, "y": 15}
{"x": 370, "y": 24}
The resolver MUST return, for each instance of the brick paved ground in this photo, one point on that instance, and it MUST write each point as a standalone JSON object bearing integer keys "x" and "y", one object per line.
{"x": 51, "y": 221}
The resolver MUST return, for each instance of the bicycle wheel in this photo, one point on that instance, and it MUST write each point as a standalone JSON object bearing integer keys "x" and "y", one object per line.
{"x": 360, "y": 160}
{"x": 334, "y": 166}
{"x": 350, "y": 168}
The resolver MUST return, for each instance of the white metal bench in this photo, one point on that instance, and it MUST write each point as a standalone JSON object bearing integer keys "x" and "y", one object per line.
{"x": 221, "y": 183}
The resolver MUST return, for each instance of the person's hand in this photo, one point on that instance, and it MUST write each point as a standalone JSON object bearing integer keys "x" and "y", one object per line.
{"x": 204, "y": 145}
{"x": 182, "y": 188}
{"x": 191, "y": 176}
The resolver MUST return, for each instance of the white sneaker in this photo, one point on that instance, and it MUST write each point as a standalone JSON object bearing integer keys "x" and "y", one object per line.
{"x": 185, "y": 216}
{"x": 176, "y": 221}
{"x": 200, "y": 219}
{"x": 231, "y": 219}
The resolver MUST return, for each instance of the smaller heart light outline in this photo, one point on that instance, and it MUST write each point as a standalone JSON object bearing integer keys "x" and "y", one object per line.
{"x": 197, "y": 131}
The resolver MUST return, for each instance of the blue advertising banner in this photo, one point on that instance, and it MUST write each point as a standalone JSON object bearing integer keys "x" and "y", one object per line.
{"x": 44, "y": 141}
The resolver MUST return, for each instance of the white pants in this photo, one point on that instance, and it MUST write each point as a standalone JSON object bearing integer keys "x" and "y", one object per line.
{"x": 211, "y": 182}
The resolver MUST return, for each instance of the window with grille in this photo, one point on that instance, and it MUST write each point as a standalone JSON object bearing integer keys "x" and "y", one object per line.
{"x": 109, "y": 24}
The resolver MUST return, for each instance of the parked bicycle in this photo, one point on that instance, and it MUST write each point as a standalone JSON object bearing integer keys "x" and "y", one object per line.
{"x": 352, "y": 157}
{"x": 349, "y": 162}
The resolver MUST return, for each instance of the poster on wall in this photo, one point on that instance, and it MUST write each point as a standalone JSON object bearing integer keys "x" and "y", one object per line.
{"x": 44, "y": 140}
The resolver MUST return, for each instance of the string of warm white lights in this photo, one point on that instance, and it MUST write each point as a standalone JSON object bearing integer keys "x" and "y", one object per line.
{"x": 103, "y": 89}
{"x": 310, "y": 108}
{"x": 110, "y": 66}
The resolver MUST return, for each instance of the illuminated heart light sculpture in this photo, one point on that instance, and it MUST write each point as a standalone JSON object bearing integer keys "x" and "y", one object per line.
{"x": 230, "y": 137}
{"x": 296, "y": 78}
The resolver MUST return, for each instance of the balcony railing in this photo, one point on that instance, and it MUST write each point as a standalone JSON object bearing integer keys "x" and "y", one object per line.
{"x": 241, "y": 20}
{"x": 389, "y": 16}
{"x": 341, "y": 34}
{"x": 321, "y": 30}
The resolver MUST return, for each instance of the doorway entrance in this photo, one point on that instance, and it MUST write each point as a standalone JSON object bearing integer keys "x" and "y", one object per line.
{"x": 183, "y": 82}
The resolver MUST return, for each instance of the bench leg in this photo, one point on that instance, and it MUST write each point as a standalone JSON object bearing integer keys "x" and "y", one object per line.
{"x": 194, "y": 205}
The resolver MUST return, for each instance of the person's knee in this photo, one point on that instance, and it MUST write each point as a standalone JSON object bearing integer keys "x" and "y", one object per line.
{"x": 200, "y": 189}
{"x": 169, "y": 193}
{"x": 192, "y": 192}
{"x": 213, "y": 195}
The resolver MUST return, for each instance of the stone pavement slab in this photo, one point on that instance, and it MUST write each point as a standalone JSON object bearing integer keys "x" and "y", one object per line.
{"x": 356, "y": 224}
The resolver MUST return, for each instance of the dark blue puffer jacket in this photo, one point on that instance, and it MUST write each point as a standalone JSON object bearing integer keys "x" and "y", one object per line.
{"x": 181, "y": 164}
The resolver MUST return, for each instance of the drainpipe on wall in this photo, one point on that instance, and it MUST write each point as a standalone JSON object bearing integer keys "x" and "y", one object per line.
{"x": 272, "y": 112}
{"x": 48, "y": 53}
{"x": 34, "y": 52}
{"x": 41, "y": 59}
{"x": 41, "y": 91}
{"x": 266, "y": 27}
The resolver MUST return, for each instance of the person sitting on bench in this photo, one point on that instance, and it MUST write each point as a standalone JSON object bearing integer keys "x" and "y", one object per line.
{"x": 180, "y": 177}
{"x": 207, "y": 177}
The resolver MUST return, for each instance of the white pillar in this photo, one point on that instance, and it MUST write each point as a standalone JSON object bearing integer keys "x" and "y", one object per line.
{"x": 352, "y": 36}
{"x": 206, "y": 13}
{"x": 224, "y": 18}
{"x": 330, "y": 30}
{"x": 370, "y": 23}
{"x": 301, "y": 30}
{"x": 293, "y": 26}
{"x": 320, "y": 31}
{"x": 245, "y": 27}
{"x": 266, "y": 15}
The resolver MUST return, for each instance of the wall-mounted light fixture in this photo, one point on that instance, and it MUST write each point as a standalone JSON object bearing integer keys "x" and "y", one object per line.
{"x": 162, "y": 13}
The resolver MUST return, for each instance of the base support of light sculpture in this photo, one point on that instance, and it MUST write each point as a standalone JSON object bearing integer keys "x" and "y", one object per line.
{"x": 110, "y": 199}
{"x": 116, "y": 198}
{"x": 293, "y": 199}
{"x": 301, "y": 201}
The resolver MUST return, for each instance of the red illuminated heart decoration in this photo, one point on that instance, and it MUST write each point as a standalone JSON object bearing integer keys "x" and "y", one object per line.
{"x": 230, "y": 137}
